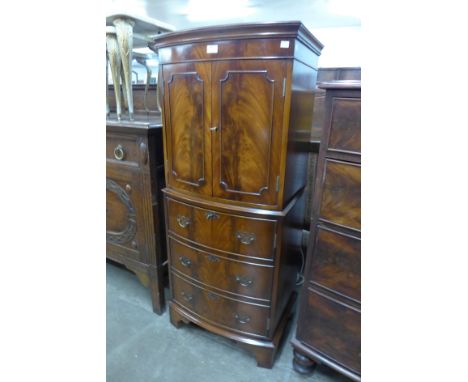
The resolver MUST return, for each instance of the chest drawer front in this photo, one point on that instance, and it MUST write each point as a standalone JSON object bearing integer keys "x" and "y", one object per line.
{"x": 336, "y": 263}
{"x": 225, "y": 232}
{"x": 332, "y": 329}
{"x": 345, "y": 133}
{"x": 230, "y": 275}
{"x": 230, "y": 313}
{"x": 122, "y": 148}
{"x": 341, "y": 197}
{"x": 124, "y": 220}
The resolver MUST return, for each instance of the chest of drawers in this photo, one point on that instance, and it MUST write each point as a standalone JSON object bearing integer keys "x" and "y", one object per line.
{"x": 329, "y": 322}
{"x": 237, "y": 107}
{"x": 135, "y": 231}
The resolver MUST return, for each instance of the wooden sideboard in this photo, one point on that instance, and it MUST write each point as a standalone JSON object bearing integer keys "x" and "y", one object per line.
{"x": 236, "y": 115}
{"x": 135, "y": 231}
{"x": 329, "y": 322}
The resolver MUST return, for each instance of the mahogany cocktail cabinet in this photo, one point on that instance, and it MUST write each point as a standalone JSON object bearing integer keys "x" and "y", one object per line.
{"x": 237, "y": 108}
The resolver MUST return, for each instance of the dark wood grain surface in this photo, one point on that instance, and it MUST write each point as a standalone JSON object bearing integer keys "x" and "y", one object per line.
{"x": 329, "y": 325}
{"x": 135, "y": 231}
{"x": 235, "y": 119}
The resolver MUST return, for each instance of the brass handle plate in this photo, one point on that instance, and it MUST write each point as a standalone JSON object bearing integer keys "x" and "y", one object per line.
{"x": 185, "y": 261}
{"x": 211, "y": 215}
{"x": 183, "y": 221}
{"x": 242, "y": 319}
{"x": 187, "y": 296}
{"x": 119, "y": 152}
{"x": 212, "y": 296}
{"x": 246, "y": 238}
{"x": 244, "y": 281}
{"x": 213, "y": 258}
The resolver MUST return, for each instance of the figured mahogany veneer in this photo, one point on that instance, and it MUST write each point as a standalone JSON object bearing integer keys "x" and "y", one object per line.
{"x": 237, "y": 108}
{"x": 329, "y": 322}
{"x": 135, "y": 231}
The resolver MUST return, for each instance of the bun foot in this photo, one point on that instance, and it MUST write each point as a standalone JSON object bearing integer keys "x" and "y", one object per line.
{"x": 303, "y": 364}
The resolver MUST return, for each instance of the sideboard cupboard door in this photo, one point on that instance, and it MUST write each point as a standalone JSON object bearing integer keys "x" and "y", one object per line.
{"x": 187, "y": 109}
{"x": 248, "y": 102}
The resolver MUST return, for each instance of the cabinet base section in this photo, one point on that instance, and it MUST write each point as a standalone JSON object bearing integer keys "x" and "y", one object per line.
{"x": 264, "y": 349}
{"x": 305, "y": 360}
{"x": 150, "y": 276}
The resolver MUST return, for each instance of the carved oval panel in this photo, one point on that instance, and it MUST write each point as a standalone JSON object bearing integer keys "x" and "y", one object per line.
{"x": 121, "y": 216}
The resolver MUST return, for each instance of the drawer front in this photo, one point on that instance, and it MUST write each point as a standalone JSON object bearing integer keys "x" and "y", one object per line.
{"x": 332, "y": 329}
{"x": 124, "y": 205}
{"x": 341, "y": 197}
{"x": 227, "y": 274}
{"x": 123, "y": 148}
{"x": 345, "y": 133}
{"x": 230, "y": 233}
{"x": 233, "y": 314}
{"x": 336, "y": 263}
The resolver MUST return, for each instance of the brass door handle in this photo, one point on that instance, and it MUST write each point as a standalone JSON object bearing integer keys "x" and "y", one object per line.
{"x": 242, "y": 319}
{"x": 244, "y": 281}
{"x": 119, "y": 152}
{"x": 185, "y": 261}
{"x": 245, "y": 237}
{"x": 183, "y": 221}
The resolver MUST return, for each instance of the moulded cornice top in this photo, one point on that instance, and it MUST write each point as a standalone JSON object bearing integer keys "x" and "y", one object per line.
{"x": 289, "y": 29}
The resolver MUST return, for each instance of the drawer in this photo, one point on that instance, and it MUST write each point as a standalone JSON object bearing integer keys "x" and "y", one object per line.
{"x": 345, "y": 132}
{"x": 229, "y": 275}
{"x": 336, "y": 263}
{"x": 341, "y": 195}
{"x": 331, "y": 328}
{"x": 225, "y": 232}
{"x": 124, "y": 219}
{"x": 223, "y": 311}
{"x": 122, "y": 148}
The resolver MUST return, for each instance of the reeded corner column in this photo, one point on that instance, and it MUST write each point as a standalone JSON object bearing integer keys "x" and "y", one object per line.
{"x": 124, "y": 30}
{"x": 114, "y": 60}
{"x": 158, "y": 91}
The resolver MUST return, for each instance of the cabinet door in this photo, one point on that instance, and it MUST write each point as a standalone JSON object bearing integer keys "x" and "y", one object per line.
{"x": 125, "y": 227}
{"x": 187, "y": 109}
{"x": 247, "y": 110}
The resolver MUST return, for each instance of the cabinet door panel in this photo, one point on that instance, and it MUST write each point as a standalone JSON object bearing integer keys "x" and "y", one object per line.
{"x": 187, "y": 99}
{"x": 248, "y": 112}
{"x": 124, "y": 213}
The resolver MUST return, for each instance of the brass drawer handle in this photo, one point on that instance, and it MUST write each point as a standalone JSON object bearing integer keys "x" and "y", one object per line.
{"x": 213, "y": 259}
{"x": 245, "y": 237}
{"x": 212, "y": 296}
{"x": 211, "y": 215}
{"x": 187, "y": 296}
{"x": 244, "y": 281}
{"x": 242, "y": 319}
{"x": 185, "y": 261}
{"x": 183, "y": 221}
{"x": 119, "y": 152}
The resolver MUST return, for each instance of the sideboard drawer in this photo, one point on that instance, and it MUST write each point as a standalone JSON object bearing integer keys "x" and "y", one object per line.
{"x": 332, "y": 328}
{"x": 233, "y": 276}
{"x": 341, "y": 195}
{"x": 225, "y": 232}
{"x": 345, "y": 133}
{"x": 122, "y": 148}
{"x": 230, "y": 313}
{"x": 336, "y": 263}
